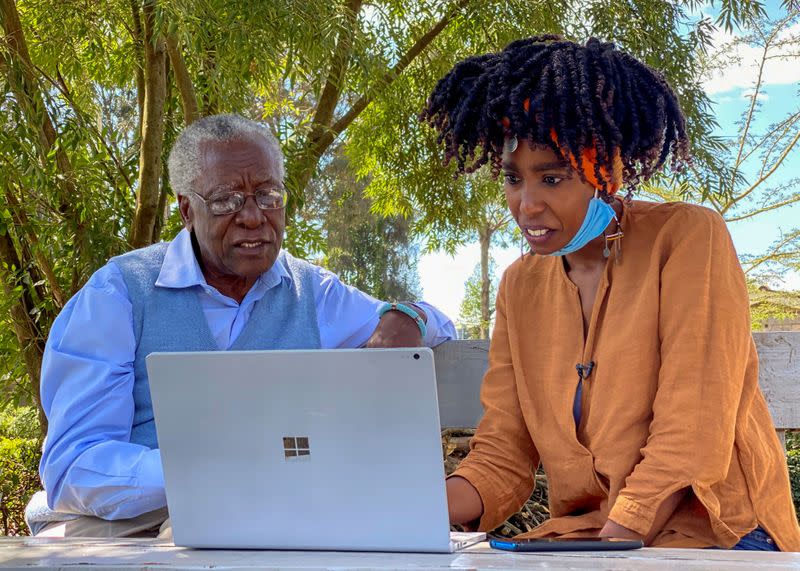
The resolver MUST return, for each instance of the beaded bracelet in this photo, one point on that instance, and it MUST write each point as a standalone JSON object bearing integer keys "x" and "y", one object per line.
{"x": 410, "y": 311}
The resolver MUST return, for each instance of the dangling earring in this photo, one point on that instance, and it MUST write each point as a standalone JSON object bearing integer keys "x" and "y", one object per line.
{"x": 615, "y": 237}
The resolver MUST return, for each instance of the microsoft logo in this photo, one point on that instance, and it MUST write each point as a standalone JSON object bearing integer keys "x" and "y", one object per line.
{"x": 295, "y": 446}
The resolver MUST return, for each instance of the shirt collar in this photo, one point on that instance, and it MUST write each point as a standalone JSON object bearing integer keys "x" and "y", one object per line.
{"x": 180, "y": 268}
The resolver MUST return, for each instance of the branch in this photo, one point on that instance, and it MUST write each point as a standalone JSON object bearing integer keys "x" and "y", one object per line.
{"x": 782, "y": 203}
{"x": 44, "y": 205}
{"x": 768, "y": 40}
{"x": 26, "y": 90}
{"x": 769, "y": 173}
{"x": 391, "y": 75}
{"x": 61, "y": 85}
{"x": 774, "y": 255}
{"x": 30, "y": 339}
{"x": 789, "y": 124}
{"x": 783, "y": 126}
{"x": 504, "y": 220}
{"x": 33, "y": 240}
{"x": 339, "y": 63}
{"x": 191, "y": 112}
{"x": 323, "y": 138}
{"x": 749, "y": 119}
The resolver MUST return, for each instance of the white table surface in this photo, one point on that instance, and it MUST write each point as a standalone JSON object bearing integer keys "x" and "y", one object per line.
{"x": 17, "y": 553}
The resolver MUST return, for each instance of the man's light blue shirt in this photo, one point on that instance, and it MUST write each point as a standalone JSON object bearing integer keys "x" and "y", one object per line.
{"x": 89, "y": 466}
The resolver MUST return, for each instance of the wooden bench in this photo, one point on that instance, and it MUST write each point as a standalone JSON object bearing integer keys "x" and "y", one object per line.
{"x": 460, "y": 366}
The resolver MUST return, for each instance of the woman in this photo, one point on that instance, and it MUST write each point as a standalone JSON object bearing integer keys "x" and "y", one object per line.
{"x": 621, "y": 358}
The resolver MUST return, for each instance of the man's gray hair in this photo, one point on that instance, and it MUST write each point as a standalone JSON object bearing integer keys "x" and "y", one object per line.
{"x": 184, "y": 158}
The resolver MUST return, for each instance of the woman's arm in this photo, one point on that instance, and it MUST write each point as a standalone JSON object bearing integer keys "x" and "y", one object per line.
{"x": 705, "y": 336}
{"x": 497, "y": 476}
{"x": 665, "y": 511}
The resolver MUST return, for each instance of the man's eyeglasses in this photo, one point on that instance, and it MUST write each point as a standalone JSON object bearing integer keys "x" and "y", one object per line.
{"x": 229, "y": 202}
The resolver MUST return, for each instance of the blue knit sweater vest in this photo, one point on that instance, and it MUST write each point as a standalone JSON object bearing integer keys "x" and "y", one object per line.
{"x": 168, "y": 319}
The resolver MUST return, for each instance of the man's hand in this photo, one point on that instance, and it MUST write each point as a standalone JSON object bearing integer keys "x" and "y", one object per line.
{"x": 395, "y": 329}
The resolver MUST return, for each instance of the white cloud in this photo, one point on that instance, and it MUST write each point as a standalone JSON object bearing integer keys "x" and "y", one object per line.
{"x": 748, "y": 94}
{"x": 742, "y": 71}
{"x": 791, "y": 281}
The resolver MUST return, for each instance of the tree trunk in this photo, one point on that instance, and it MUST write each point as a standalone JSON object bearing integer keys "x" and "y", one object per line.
{"x": 155, "y": 87}
{"x": 183, "y": 81}
{"x": 164, "y": 194}
{"x": 485, "y": 239}
{"x": 138, "y": 44}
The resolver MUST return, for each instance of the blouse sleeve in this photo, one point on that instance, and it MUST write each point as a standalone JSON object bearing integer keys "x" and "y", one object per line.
{"x": 503, "y": 458}
{"x": 704, "y": 327}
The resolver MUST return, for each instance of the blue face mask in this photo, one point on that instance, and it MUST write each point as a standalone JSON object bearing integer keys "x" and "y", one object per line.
{"x": 598, "y": 216}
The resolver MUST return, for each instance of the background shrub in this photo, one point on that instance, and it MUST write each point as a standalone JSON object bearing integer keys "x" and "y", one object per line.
{"x": 20, "y": 451}
{"x": 793, "y": 448}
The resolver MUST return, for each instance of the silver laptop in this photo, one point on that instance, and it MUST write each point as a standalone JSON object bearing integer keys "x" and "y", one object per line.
{"x": 318, "y": 450}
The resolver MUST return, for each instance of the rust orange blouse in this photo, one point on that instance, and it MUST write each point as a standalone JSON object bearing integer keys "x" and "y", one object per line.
{"x": 673, "y": 401}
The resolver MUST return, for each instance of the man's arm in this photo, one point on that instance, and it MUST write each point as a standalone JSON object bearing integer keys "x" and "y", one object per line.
{"x": 89, "y": 466}
{"x": 349, "y": 318}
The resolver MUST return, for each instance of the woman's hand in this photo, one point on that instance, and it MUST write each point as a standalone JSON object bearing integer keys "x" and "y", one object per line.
{"x": 464, "y": 503}
{"x": 664, "y": 512}
{"x": 613, "y": 529}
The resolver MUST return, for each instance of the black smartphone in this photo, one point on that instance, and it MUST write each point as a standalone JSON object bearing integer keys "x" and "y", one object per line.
{"x": 566, "y": 544}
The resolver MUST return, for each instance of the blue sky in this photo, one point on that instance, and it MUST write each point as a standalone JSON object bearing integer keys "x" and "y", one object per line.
{"x": 442, "y": 277}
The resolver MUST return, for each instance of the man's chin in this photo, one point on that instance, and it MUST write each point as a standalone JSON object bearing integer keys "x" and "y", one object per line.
{"x": 253, "y": 269}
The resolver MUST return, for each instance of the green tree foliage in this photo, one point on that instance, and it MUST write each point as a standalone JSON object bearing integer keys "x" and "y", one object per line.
{"x": 373, "y": 253}
{"x": 402, "y": 175}
{"x": 473, "y": 320}
{"x": 92, "y": 94}
{"x": 767, "y": 304}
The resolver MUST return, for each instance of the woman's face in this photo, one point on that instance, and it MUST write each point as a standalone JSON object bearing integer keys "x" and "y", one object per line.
{"x": 545, "y": 195}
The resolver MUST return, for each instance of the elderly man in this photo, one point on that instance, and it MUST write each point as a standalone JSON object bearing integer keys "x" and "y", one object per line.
{"x": 223, "y": 283}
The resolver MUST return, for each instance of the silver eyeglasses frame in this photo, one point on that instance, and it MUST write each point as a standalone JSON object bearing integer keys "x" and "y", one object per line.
{"x": 243, "y": 199}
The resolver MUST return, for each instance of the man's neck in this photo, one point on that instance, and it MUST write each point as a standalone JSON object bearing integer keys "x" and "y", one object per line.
{"x": 233, "y": 287}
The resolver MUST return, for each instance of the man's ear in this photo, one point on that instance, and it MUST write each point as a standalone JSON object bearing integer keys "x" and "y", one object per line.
{"x": 185, "y": 207}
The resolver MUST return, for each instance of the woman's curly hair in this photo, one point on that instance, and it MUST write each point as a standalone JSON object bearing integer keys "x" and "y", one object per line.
{"x": 583, "y": 101}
